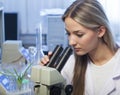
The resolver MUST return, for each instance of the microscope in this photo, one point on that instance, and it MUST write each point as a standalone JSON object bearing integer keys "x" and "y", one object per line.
{"x": 48, "y": 79}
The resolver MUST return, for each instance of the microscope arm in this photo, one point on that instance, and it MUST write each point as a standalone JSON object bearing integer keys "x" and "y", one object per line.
{"x": 49, "y": 79}
{"x": 46, "y": 75}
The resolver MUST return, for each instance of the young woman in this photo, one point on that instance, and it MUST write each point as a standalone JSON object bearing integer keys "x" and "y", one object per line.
{"x": 94, "y": 68}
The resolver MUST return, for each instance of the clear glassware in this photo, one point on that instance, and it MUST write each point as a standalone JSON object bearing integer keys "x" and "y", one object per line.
{"x": 32, "y": 54}
{"x": 40, "y": 53}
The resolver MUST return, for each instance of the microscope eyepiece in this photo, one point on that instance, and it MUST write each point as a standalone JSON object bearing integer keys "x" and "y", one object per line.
{"x": 56, "y": 53}
{"x": 63, "y": 58}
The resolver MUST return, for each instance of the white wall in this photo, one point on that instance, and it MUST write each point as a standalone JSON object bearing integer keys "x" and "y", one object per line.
{"x": 28, "y": 11}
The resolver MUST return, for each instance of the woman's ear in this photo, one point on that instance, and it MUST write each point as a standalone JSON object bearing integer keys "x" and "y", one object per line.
{"x": 101, "y": 31}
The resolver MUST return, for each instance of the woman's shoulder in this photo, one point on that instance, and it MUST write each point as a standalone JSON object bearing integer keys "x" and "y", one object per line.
{"x": 70, "y": 62}
{"x": 68, "y": 69}
{"x": 71, "y": 59}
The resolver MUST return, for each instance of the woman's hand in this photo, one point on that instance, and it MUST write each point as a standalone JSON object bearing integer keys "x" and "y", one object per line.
{"x": 45, "y": 59}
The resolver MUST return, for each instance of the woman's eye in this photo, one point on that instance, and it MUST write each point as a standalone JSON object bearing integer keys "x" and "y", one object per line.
{"x": 79, "y": 35}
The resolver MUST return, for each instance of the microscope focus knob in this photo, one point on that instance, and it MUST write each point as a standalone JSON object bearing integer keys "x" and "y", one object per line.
{"x": 68, "y": 89}
{"x": 54, "y": 90}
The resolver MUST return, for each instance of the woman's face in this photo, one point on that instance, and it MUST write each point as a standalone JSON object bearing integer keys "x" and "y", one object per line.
{"x": 83, "y": 40}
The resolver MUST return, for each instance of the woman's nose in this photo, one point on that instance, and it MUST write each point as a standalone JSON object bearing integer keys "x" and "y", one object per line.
{"x": 72, "y": 41}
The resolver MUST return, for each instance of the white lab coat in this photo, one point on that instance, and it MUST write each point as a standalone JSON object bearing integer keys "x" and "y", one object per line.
{"x": 112, "y": 86}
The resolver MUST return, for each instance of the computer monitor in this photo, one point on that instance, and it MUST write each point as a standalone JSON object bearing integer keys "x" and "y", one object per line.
{"x": 11, "y": 26}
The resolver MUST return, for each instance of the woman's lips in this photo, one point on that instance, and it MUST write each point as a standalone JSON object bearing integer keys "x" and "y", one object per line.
{"x": 77, "y": 49}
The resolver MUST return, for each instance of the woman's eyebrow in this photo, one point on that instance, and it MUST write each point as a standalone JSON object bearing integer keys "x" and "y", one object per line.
{"x": 76, "y": 31}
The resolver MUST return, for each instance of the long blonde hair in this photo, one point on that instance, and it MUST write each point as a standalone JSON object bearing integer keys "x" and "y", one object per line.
{"x": 90, "y": 14}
